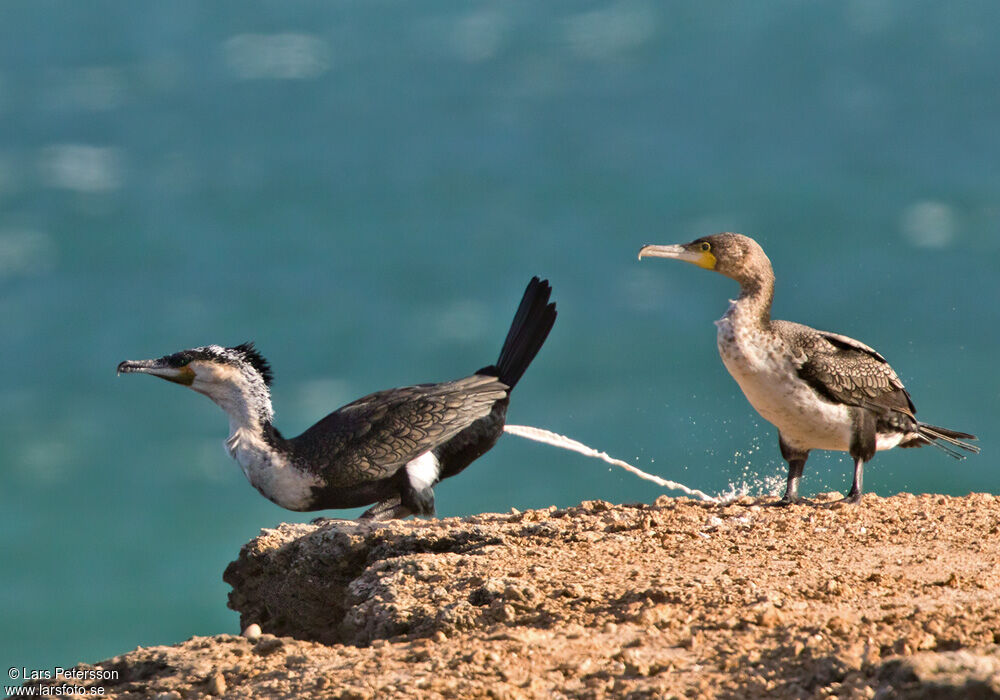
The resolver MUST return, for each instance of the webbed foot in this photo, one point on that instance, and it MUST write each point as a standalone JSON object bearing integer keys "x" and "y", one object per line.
{"x": 389, "y": 509}
{"x": 786, "y": 501}
{"x": 851, "y": 499}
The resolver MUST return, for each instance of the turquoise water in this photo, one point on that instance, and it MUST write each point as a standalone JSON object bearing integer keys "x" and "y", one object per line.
{"x": 364, "y": 189}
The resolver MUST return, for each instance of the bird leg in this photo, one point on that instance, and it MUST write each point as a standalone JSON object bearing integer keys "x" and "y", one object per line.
{"x": 792, "y": 488}
{"x": 863, "y": 444}
{"x": 796, "y": 462}
{"x": 389, "y": 509}
{"x": 854, "y": 495}
{"x": 419, "y": 501}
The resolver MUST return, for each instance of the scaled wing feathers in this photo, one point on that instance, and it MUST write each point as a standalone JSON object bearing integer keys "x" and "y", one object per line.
{"x": 846, "y": 370}
{"x": 375, "y": 436}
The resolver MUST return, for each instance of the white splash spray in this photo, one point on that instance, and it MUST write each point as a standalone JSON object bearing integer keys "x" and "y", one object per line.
{"x": 751, "y": 481}
{"x": 556, "y": 440}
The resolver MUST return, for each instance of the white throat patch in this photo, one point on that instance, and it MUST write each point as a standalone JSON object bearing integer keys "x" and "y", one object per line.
{"x": 270, "y": 473}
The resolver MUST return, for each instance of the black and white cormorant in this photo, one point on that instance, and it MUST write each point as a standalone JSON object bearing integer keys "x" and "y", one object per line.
{"x": 388, "y": 448}
{"x": 823, "y": 391}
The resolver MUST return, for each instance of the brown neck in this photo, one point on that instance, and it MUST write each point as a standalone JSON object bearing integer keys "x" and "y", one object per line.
{"x": 756, "y": 295}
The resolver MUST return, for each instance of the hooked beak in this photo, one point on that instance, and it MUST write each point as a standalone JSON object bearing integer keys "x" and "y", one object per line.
{"x": 158, "y": 368}
{"x": 700, "y": 258}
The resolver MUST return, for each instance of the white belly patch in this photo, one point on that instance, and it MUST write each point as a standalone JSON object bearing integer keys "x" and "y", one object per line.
{"x": 761, "y": 364}
{"x": 423, "y": 471}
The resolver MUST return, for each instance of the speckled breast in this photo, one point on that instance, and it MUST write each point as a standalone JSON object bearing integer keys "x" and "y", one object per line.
{"x": 763, "y": 367}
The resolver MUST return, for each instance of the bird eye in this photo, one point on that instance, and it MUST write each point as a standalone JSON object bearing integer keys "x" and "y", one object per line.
{"x": 706, "y": 246}
{"x": 179, "y": 361}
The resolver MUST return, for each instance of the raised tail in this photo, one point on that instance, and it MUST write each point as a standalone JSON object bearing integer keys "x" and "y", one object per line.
{"x": 529, "y": 329}
{"x": 933, "y": 435}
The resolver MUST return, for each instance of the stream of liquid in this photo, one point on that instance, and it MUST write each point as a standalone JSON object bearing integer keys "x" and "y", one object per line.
{"x": 556, "y": 440}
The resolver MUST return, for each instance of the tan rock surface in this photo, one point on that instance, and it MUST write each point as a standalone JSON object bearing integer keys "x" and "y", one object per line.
{"x": 899, "y": 597}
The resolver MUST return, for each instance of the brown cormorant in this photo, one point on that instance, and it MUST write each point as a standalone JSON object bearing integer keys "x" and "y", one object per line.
{"x": 823, "y": 391}
{"x": 388, "y": 448}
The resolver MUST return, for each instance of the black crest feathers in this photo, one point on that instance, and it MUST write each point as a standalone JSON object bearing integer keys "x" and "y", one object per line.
{"x": 256, "y": 360}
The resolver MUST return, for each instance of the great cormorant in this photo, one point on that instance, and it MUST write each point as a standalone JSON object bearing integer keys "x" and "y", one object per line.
{"x": 388, "y": 448}
{"x": 823, "y": 391}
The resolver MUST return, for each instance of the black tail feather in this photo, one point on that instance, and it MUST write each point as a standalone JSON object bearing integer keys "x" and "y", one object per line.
{"x": 935, "y": 435}
{"x": 529, "y": 329}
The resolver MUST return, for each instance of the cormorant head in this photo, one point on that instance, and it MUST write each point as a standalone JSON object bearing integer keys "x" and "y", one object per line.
{"x": 735, "y": 256}
{"x": 232, "y": 377}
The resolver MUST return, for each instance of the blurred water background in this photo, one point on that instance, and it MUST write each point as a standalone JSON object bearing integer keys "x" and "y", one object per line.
{"x": 364, "y": 188}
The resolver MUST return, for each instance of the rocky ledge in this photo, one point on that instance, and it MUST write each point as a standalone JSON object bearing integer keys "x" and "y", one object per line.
{"x": 899, "y": 597}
